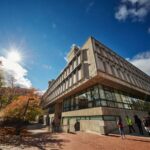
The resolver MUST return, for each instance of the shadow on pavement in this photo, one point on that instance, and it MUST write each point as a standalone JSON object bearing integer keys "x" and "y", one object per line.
{"x": 129, "y": 138}
{"x": 113, "y": 135}
{"x": 42, "y": 141}
{"x": 140, "y": 140}
{"x": 72, "y": 133}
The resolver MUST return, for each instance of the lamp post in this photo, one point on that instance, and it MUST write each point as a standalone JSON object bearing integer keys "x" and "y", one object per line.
{"x": 26, "y": 108}
{"x": 19, "y": 124}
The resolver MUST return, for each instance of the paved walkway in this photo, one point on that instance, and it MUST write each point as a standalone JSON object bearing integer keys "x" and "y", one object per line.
{"x": 89, "y": 141}
{"x": 40, "y": 139}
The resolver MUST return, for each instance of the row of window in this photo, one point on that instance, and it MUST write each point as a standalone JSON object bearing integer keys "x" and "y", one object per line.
{"x": 66, "y": 78}
{"x": 103, "y": 96}
{"x": 121, "y": 73}
{"x": 97, "y": 117}
{"x": 72, "y": 65}
{"x": 118, "y": 60}
{"x": 68, "y": 70}
{"x": 67, "y": 83}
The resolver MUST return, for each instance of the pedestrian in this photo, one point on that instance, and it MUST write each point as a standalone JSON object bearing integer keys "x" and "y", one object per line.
{"x": 146, "y": 123}
{"x": 138, "y": 122}
{"x": 121, "y": 128}
{"x": 57, "y": 126}
{"x": 130, "y": 124}
{"x": 77, "y": 126}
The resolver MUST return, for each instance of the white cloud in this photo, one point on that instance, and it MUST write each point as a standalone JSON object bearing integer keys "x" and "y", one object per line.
{"x": 48, "y": 67}
{"x": 17, "y": 71}
{"x": 137, "y": 10}
{"x": 122, "y": 13}
{"x": 40, "y": 92}
{"x": 142, "y": 61}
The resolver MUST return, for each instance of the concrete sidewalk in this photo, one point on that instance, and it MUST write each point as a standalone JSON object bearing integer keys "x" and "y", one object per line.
{"x": 41, "y": 139}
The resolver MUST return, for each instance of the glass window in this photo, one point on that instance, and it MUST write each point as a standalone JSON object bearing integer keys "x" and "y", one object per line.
{"x": 63, "y": 86}
{"x": 79, "y": 74}
{"x": 90, "y": 104}
{"x": 101, "y": 92}
{"x": 82, "y": 118}
{"x": 74, "y": 78}
{"x": 96, "y": 118}
{"x": 97, "y": 103}
{"x": 124, "y": 98}
{"x": 70, "y": 81}
{"x": 95, "y": 93}
{"x": 76, "y": 102}
{"x": 66, "y": 72}
{"x": 66, "y": 84}
{"x": 128, "y": 99}
{"x": 66, "y": 105}
{"x": 87, "y": 117}
{"x": 104, "y": 103}
{"x": 109, "y": 118}
{"x": 72, "y": 103}
{"x": 70, "y": 68}
{"x": 75, "y": 63}
{"x": 79, "y": 59}
{"x": 110, "y": 104}
{"x": 135, "y": 103}
{"x": 108, "y": 94}
{"x": 127, "y": 106}
{"x": 104, "y": 52}
{"x": 120, "y": 105}
{"x": 118, "y": 96}
{"x": 89, "y": 96}
{"x": 113, "y": 95}
{"x": 51, "y": 109}
{"x": 83, "y": 102}
{"x": 141, "y": 104}
{"x": 72, "y": 65}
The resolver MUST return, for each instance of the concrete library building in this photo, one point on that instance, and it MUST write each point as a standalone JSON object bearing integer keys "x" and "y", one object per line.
{"x": 95, "y": 88}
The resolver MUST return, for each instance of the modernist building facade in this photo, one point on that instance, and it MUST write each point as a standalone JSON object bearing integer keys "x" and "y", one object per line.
{"x": 96, "y": 87}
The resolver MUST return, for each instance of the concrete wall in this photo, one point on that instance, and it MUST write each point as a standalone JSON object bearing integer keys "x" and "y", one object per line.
{"x": 111, "y": 125}
{"x": 84, "y": 112}
{"x": 91, "y": 57}
{"x": 92, "y": 125}
{"x": 85, "y": 125}
{"x": 100, "y": 126}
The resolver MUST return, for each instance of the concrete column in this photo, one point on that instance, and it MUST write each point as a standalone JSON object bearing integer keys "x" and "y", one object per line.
{"x": 44, "y": 119}
{"x": 58, "y": 113}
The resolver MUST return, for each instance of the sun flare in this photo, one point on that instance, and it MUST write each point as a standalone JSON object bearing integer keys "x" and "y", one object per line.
{"x": 14, "y": 56}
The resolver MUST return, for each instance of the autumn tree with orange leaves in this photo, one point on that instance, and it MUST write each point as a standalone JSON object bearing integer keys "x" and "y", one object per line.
{"x": 25, "y": 107}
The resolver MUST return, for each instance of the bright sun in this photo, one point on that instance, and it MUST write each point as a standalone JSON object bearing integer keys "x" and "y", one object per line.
{"x": 14, "y": 56}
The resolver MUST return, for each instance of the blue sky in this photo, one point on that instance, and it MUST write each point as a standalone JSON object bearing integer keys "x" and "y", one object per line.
{"x": 44, "y": 30}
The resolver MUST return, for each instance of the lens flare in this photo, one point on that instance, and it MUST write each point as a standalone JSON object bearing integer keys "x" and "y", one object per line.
{"x": 14, "y": 56}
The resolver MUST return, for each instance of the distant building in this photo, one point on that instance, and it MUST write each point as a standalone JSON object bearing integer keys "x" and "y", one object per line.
{"x": 96, "y": 87}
